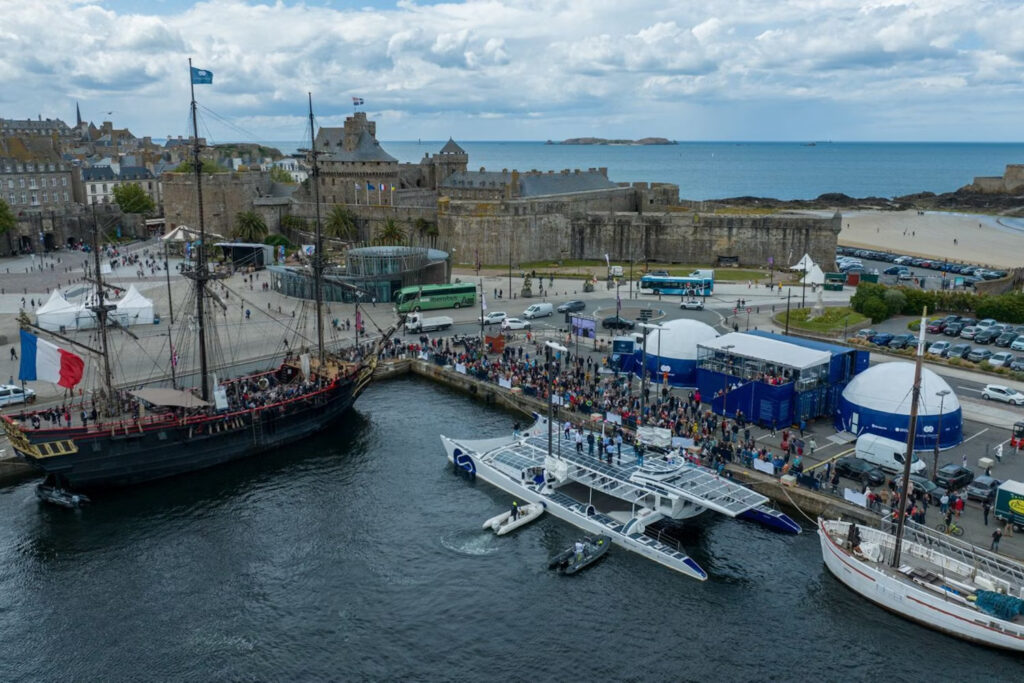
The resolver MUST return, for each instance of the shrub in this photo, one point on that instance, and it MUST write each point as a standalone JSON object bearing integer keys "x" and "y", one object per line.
{"x": 875, "y": 309}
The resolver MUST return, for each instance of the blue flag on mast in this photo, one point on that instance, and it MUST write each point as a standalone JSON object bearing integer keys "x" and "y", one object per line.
{"x": 201, "y": 76}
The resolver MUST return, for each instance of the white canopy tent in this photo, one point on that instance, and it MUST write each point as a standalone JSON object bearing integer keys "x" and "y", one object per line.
{"x": 804, "y": 264}
{"x": 183, "y": 233}
{"x": 56, "y": 313}
{"x": 816, "y": 276}
{"x": 134, "y": 309}
{"x": 770, "y": 350}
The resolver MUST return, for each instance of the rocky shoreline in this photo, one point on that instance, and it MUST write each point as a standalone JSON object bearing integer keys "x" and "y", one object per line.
{"x": 964, "y": 200}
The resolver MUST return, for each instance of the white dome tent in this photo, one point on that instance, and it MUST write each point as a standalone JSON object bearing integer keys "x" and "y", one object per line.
{"x": 804, "y": 264}
{"x": 56, "y": 313}
{"x": 678, "y": 351}
{"x": 877, "y": 401}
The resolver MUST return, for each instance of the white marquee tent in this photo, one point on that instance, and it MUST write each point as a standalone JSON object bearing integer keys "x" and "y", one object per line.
{"x": 804, "y": 264}
{"x": 56, "y": 313}
{"x": 816, "y": 276}
{"x": 134, "y": 309}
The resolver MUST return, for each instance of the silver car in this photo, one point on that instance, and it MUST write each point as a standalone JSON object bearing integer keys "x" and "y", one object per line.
{"x": 997, "y": 392}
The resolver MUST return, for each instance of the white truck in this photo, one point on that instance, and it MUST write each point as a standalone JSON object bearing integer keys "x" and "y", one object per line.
{"x": 415, "y": 322}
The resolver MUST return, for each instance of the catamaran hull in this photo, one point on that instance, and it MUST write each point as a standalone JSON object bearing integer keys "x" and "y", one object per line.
{"x": 927, "y": 609}
{"x": 467, "y": 462}
{"x": 131, "y": 457}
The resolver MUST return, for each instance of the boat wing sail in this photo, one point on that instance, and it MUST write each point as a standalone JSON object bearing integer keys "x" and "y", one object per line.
{"x": 702, "y": 487}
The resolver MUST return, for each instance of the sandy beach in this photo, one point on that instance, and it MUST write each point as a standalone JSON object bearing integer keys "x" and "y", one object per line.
{"x": 981, "y": 240}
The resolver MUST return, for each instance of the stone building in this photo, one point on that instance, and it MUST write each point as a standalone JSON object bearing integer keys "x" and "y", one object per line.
{"x": 225, "y": 195}
{"x": 1011, "y": 182}
{"x": 33, "y": 176}
{"x": 484, "y": 184}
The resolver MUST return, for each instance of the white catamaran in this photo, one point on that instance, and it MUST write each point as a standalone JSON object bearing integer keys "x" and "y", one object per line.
{"x": 926, "y": 576}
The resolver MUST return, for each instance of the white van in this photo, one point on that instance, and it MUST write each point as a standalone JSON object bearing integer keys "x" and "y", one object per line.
{"x": 886, "y": 453}
{"x": 538, "y": 311}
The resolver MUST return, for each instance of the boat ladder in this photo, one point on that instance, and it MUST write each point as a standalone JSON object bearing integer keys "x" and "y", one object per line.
{"x": 257, "y": 428}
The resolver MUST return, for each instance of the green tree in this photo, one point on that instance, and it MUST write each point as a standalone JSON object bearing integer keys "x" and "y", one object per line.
{"x": 391, "y": 233}
{"x": 133, "y": 199}
{"x": 294, "y": 223}
{"x": 894, "y": 300}
{"x": 875, "y": 309}
{"x": 7, "y": 223}
{"x": 207, "y": 167}
{"x": 426, "y": 229}
{"x": 341, "y": 223}
{"x": 249, "y": 227}
{"x": 279, "y": 175}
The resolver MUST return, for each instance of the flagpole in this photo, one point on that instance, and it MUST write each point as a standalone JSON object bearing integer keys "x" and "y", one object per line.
{"x": 378, "y": 194}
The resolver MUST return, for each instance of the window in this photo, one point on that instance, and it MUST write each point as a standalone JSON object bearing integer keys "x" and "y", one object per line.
{"x": 51, "y": 168}
{"x": 65, "y": 195}
{"x": 35, "y": 199}
{"x": 53, "y": 181}
{"x": 45, "y": 198}
{"x": 10, "y": 183}
{"x": 11, "y": 198}
{"x": 24, "y": 198}
{"x": 64, "y": 181}
{"x": 21, "y": 183}
{"x": 104, "y": 188}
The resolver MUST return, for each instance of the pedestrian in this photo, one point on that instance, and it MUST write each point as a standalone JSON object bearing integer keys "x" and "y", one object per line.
{"x": 579, "y": 441}
{"x": 944, "y": 503}
{"x": 985, "y": 509}
{"x": 996, "y": 536}
{"x": 803, "y": 426}
{"x": 14, "y": 354}
{"x": 812, "y": 444}
{"x": 963, "y": 460}
{"x": 590, "y": 443}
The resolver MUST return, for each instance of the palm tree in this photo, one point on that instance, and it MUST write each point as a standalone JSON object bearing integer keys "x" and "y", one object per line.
{"x": 249, "y": 227}
{"x": 391, "y": 233}
{"x": 341, "y": 223}
{"x": 427, "y": 229}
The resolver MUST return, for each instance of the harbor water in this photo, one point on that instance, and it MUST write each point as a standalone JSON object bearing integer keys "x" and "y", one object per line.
{"x": 359, "y": 555}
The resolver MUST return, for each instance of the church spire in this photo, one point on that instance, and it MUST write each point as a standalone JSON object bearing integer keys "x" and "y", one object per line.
{"x": 78, "y": 115}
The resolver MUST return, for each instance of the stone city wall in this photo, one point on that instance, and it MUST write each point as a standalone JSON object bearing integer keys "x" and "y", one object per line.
{"x": 536, "y": 230}
{"x": 224, "y": 196}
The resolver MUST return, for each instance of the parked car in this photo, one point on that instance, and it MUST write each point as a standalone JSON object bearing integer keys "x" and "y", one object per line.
{"x": 866, "y": 333}
{"x": 953, "y": 329}
{"x": 902, "y": 260}
{"x": 904, "y": 275}
{"x": 939, "y": 348}
{"x": 882, "y": 338}
{"x": 692, "y": 304}
{"x": 952, "y": 476}
{"x": 958, "y": 351}
{"x": 571, "y": 306}
{"x": 1018, "y": 343}
{"x": 998, "y": 392}
{"x": 988, "y": 335}
{"x": 935, "y": 326}
{"x": 1017, "y": 364}
{"x": 892, "y": 270}
{"x": 1004, "y": 340}
{"x": 12, "y": 393}
{"x": 860, "y": 470}
{"x": 969, "y": 332}
{"x": 514, "y": 324}
{"x": 979, "y": 355}
{"x": 901, "y": 341}
{"x": 614, "y": 322}
{"x": 983, "y": 487}
{"x": 986, "y": 323}
{"x": 494, "y": 317}
{"x": 1001, "y": 359}
{"x": 928, "y": 487}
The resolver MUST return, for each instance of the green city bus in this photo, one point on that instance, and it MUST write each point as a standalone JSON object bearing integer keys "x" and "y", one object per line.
{"x": 426, "y": 297}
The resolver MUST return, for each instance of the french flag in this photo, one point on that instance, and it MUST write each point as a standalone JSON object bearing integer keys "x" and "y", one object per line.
{"x": 41, "y": 360}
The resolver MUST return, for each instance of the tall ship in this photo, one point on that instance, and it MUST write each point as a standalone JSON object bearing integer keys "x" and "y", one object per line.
{"x": 129, "y": 434}
{"x": 925, "y": 575}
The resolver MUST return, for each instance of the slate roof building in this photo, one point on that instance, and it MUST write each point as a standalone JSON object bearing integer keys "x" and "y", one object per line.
{"x": 504, "y": 184}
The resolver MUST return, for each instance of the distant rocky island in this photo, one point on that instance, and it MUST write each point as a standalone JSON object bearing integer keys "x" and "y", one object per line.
{"x": 604, "y": 141}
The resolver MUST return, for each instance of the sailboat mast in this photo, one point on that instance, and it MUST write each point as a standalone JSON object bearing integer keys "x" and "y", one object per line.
{"x": 199, "y": 273}
{"x": 318, "y": 261}
{"x": 908, "y": 456}
{"x": 101, "y": 316}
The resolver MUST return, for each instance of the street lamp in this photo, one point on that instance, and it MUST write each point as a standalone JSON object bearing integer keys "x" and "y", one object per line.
{"x": 643, "y": 365}
{"x": 549, "y": 347}
{"x": 938, "y": 436}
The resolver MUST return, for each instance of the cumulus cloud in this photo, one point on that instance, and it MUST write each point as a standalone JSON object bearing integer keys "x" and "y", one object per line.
{"x": 540, "y": 65}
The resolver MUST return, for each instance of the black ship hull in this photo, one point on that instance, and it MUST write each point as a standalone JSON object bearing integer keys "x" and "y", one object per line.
{"x": 131, "y": 454}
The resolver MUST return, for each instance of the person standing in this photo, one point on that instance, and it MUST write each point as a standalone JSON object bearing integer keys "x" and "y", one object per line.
{"x": 996, "y": 535}
{"x": 514, "y": 513}
{"x": 985, "y": 509}
{"x": 590, "y": 443}
{"x": 14, "y": 354}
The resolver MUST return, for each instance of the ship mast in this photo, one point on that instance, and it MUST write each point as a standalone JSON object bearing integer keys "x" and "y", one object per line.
{"x": 200, "y": 272}
{"x": 101, "y": 308}
{"x": 908, "y": 456}
{"x": 318, "y": 249}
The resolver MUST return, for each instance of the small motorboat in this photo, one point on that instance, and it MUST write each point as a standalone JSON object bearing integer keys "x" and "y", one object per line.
{"x": 775, "y": 520}
{"x": 61, "y": 497}
{"x": 503, "y": 523}
{"x": 581, "y": 554}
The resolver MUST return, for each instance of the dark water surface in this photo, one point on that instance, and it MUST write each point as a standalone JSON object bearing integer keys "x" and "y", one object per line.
{"x": 359, "y": 555}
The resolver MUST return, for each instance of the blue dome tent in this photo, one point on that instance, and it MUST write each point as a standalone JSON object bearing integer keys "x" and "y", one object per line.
{"x": 677, "y": 351}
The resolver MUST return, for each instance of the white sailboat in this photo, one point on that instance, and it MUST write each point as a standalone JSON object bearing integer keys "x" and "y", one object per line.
{"x": 925, "y": 576}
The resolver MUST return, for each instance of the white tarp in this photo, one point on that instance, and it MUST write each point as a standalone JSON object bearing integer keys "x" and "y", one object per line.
{"x": 803, "y": 264}
{"x": 134, "y": 309}
{"x": 655, "y": 436}
{"x": 770, "y": 350}
{"x": 816, "y": 276}
{"x": 57, "y": 312}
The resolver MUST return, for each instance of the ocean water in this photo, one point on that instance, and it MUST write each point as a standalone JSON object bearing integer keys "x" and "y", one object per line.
{"x": 783, "y": 170}
{"x": 358, "y": 556}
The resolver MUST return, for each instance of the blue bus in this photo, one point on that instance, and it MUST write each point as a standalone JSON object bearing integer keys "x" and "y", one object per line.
{"x": 697, "y": 283}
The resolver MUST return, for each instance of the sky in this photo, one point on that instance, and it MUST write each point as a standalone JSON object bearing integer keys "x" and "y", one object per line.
{"x": 842, "y": 70}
